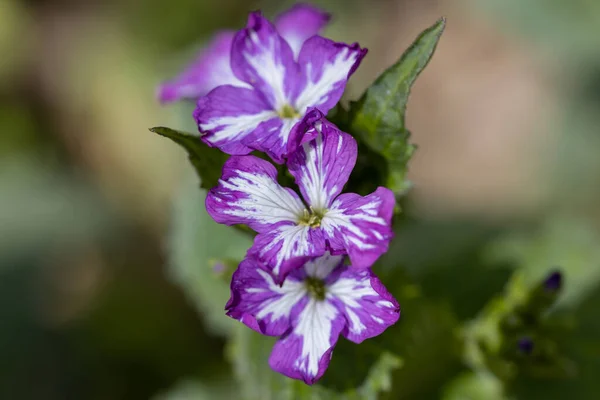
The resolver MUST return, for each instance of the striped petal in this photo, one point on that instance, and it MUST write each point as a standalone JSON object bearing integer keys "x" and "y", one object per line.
{"x": 305, "y": 352}
{"x": 209, "y": 70}
{"x": 287, "y": 246}
{"x": 228, "y": 114}
{"x": 353, "y": 303}
{"x": 260, "y": 303}
{"x": 325, "y": 67}
{"x": 360, "y": 226}
{"x": 368, "y": 307}
{"x": 248, "y": 193}
{"x": 323, "y": 163}
{"x": 299, "y": 23}
{"x": 274, "y": 140}
{"x": 263, "y": 59}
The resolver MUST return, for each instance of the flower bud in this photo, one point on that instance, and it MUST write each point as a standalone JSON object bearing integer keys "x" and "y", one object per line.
{"x": 553, "y": 282}
{"x": 525, "y": 345}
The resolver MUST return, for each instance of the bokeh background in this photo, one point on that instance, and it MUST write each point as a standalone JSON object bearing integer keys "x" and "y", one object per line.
{"x": 506, "y": 118}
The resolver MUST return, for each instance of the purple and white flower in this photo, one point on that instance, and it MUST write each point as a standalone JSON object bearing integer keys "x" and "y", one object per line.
{"x": 291, "y": 231}
{"x": 212, "y": 68}
{"x": 282, "y": 81}
{"x": 313, "y": 306}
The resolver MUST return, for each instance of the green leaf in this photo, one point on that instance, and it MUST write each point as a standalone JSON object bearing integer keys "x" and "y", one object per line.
{"x": 378, "y": 118}
{"x": 249, "y": 353}
{"x": 36, "y": 199}
{"x": 195, "y": 390}
{"x": 475, "y": 386}
{"x": 583, "y": 346}
{"x": 564, "y": 243}
{"x": 207, "y": 161}
{"x": 459, "y": 246}
{"x": 195, "y": 243}
{"x": 426, "y": 340}
{"x": 379, "y": 378}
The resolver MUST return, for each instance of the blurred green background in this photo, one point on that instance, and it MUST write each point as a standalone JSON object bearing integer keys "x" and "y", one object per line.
{"x": 93, "y": 305}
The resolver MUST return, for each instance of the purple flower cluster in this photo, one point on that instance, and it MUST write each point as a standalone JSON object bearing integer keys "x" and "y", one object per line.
{"x": 268, "y": 88}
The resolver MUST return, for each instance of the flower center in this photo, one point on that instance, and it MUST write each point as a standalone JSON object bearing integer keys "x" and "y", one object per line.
{"x": 288, "y": 112}
{"x": 311, "y": 218}
{"x": 316, "y": 287}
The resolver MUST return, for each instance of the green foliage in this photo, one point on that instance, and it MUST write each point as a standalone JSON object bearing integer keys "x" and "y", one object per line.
{"x": 560, "y": 243}
{"x": 475, "y": 386}
{"x": 207, "y": 161}
{"x": 492, "y": 339}
{"x": 378, "y": 118}
{"x": 457, "y": 262}
{"x": 249, "y": 353}
{"x": 195, "y": 243}
{"x": 379, "y": 378}
{"x": 571, "y": 337}
{"x": 194, "y": 390}
{"x": 425, "y": 339}
{"x": 583, "y": 346}
{"x": 44, "y": 197}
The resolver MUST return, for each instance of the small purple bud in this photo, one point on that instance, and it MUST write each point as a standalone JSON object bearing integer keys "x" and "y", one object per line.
{"x": 525, "y": 345}
{"x": 553, "y": 282}
{"x": 219, "y": 268}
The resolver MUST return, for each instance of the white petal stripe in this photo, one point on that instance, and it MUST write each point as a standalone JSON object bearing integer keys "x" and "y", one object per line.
{"x": 263, "y": 200}
{"x": 234, "y": 127}
{"x": 294, "y": 242}
{"x": 291, "y": 292}
{"x": 314, "y": 326}
{"x": 321, "y": 267}
{"x": 315, "y": 171}
{"x": 266, "y": 66}
{"x": 336, "y": 218}
{"x": 350, "y": 292}
{"x": 315, "y": 92}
